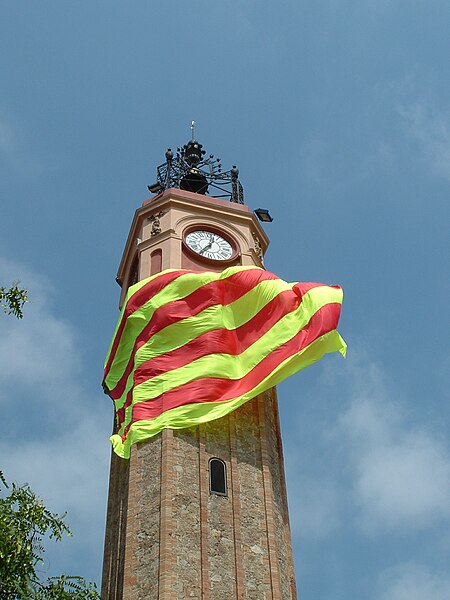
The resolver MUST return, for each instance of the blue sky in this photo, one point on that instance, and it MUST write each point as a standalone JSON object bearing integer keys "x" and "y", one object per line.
{"x": 337, "y": 115}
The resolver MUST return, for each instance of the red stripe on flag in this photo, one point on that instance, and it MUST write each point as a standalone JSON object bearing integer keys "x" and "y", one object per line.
{"x": 136, "y": 301}
{"x": 216, "y": 341}
{"x": 221, "y": 340}
{"x": 221, "y": 291}
{"x": 220, "y": 389}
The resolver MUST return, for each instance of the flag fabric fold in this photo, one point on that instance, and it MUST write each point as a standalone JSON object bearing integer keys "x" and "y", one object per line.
{"x": 191, "y": 347}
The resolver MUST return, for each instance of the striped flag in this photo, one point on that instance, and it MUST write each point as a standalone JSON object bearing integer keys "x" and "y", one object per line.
{"x": 191, "y": 347}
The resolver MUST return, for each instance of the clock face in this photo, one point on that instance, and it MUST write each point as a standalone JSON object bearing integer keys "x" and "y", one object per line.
{"x": 209, "y": 245}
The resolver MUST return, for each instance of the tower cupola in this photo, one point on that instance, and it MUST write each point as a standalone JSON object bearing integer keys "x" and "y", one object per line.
{"x": 193, "y": 171}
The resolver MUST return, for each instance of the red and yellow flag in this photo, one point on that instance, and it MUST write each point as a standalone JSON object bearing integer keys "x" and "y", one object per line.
{"x": 191, "y": 347}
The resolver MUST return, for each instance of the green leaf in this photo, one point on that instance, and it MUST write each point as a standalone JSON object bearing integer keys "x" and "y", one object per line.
{"x": 24, "y": 523}
{"x": 12, "y": 300}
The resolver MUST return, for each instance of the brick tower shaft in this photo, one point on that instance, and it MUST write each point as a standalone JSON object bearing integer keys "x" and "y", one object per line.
{"x": 169, "y": 534}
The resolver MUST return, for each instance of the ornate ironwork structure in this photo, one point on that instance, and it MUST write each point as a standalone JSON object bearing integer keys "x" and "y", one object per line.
{"x": 191, "y": 170}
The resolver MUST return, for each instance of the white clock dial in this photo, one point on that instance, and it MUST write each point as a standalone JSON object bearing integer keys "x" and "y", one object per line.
{"x": 209, "y": 244}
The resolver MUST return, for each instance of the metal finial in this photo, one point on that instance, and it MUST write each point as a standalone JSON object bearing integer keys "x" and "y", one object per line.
{"x": 193, "y": 171}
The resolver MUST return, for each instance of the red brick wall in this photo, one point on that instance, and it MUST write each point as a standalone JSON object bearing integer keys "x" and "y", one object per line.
{"x": 182, "y": 541}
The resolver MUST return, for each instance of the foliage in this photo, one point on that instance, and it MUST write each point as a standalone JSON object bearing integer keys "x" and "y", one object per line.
{"x": 12, "y": 300}
{"x": 65, "y": 587}
{"x": 24, "y": 523}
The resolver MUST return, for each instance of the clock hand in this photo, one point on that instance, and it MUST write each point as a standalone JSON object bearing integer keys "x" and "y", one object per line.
{"x": 206, "y": 248}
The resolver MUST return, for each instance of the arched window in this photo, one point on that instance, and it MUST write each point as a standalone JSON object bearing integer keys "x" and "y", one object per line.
{"x": 217, "y": 477}
{"x": 155, "y": 261}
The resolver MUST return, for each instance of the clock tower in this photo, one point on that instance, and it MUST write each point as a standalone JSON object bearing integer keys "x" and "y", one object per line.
{"x": 202, "y": 512}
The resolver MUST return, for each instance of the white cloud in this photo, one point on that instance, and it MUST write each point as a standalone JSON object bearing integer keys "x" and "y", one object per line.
{"x": 401, "y": 471}
{"x": 39, "y": 354}
{"x": 17, "y": 151}
{"x": 314, "y": 499}
{"x": 429, "y": 127}
{"x": 57, "y": 428}
{"x": 413, "y": 582}
{"x": 365, "y": 462}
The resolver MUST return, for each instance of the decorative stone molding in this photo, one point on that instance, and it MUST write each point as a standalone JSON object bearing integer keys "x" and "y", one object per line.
{"x": 258, "y": 248}
{"x": 156, "y": 223}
